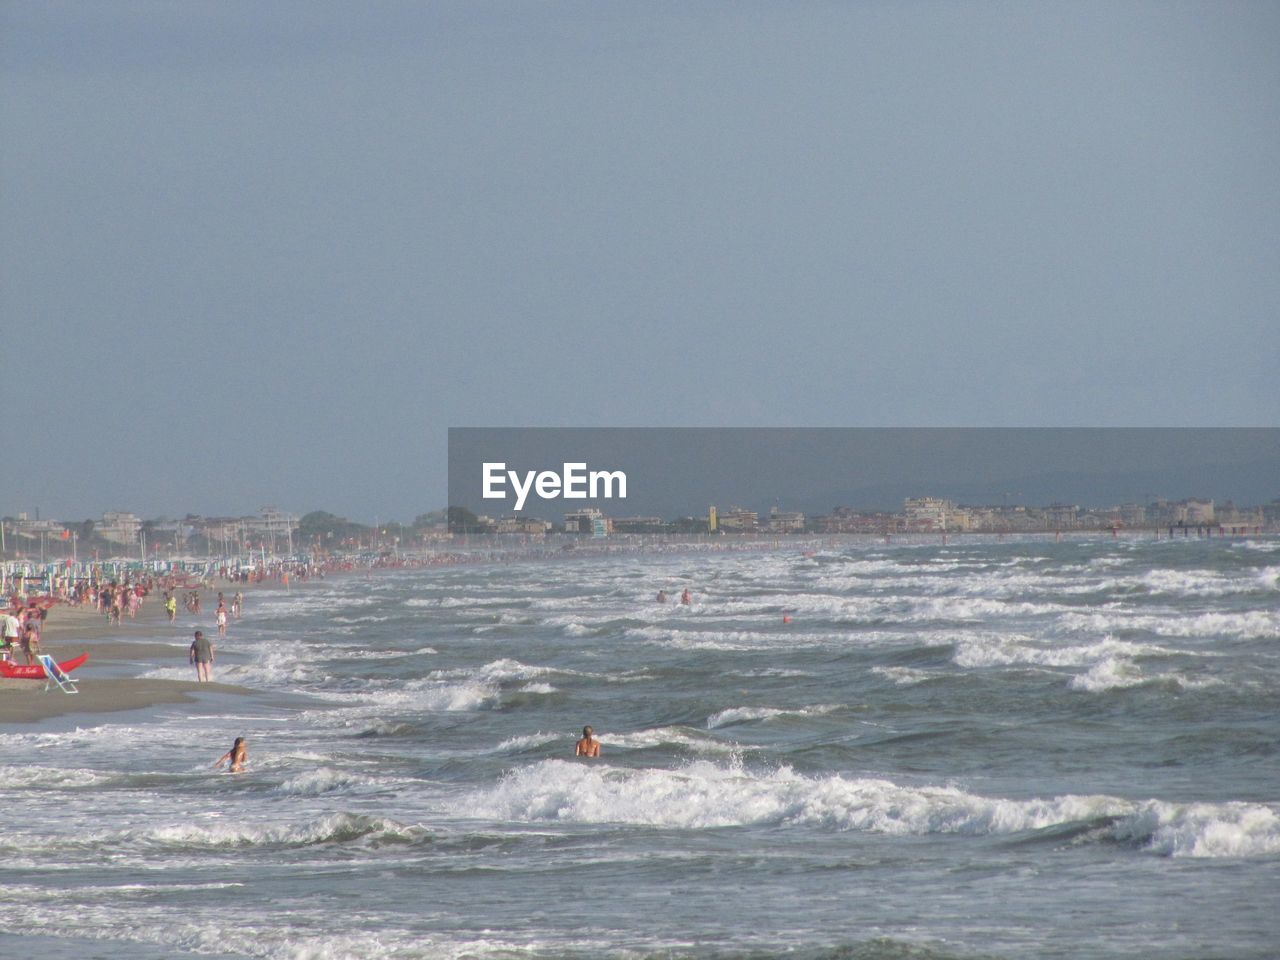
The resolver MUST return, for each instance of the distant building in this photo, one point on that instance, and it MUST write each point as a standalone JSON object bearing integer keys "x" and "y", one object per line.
{"x": 270, "y": 522}
{"x": 640, "y": 525}
{"x": 739, "y": 520}
{"x": 1132, "y": 514}
{"x": 785, "y": 521}
{"x": 931, "y": 513}
{"x": 583, "y": 521}
{"x": 529, "y": 526}
{"x": 1193, "y": 511}
{"x": 1271, "y": 515}
{"x": 849, "y": 520}
{"x": 1061, "y": 516}
{"x": 118, "y": 527}
{"x": 32, "y": 529}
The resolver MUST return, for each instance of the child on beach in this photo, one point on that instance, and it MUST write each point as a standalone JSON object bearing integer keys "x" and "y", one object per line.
{"x": 31, "y": 639}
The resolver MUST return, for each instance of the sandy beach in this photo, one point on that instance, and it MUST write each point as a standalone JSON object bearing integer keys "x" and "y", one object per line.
{"x": 141, "y": 644}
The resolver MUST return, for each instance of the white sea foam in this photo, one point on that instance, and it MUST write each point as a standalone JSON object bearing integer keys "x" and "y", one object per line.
{"x": 906, "y": 676}
{"x": 1203, "y": 829}
{"x": 430, "y": 695}
{"x": 449, "y": 603}
{"x": 331, "y": 828}
{"x": 26, "y": 777}
{"x": 1119, "y": 673}
{"x": 743, "y": 714}
{"x": 989, "y": 650}
{"x": 495, "y": 671}
{"x": 1109, "y": 673}
{"x": 305, "y": 934}
{"x": 659, "y": 737}
{"x": 731, "y": 640}
{"x": 313, "y": 783}
{"x": 704, "y": 795}
{"x": 528, "y": 741}
{"x": 1245, "y": 625}
{"x": 1208, "y": 583}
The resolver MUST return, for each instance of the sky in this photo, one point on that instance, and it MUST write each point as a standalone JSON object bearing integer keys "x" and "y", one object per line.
{"x": 267, "y": 254}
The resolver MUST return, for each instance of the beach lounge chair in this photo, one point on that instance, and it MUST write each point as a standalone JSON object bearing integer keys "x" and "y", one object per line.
{"x": 56, "y": 675}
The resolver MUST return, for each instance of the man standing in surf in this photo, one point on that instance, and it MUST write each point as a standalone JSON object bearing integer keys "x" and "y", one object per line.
{"x": 201, "y": 654}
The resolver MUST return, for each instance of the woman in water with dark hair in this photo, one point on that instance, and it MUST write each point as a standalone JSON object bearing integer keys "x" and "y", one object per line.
{"x": 588, "y": 746}
{"x": 236, "y": 755}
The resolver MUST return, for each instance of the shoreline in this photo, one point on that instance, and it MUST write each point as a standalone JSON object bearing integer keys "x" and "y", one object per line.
{"x": 146, "y": 641}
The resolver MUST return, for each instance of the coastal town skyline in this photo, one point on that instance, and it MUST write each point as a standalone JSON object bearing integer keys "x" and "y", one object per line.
{"x": 26, "y": 537}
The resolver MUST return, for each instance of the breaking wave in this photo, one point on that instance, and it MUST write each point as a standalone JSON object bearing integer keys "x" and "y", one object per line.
{"x": 703, "y": 795}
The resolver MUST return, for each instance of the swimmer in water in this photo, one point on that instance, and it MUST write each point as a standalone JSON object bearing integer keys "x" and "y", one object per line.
{"x": 686, "y": 598}
{"x": 588, "y": 746}
{"x": 236, "y": 755}
{"x": 662, "y": 596}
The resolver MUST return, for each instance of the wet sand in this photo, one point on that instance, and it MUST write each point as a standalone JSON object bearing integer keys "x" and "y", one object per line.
{"x": 27, "y": 701}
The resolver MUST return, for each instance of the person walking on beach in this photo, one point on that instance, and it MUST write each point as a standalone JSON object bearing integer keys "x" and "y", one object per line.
{"x": 236, "y": 756}
{"x": 201, "y": 655}
{"x": 236, "y": 602}
{"x": 588, "y": 746}
{"x": 222, "y": 618}
{"x": 171, "y": 605}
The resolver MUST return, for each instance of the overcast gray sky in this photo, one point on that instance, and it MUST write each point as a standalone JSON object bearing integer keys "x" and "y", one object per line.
{"x": 268, "y": 253}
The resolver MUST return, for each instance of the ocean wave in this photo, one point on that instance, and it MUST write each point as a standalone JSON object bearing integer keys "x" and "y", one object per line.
{"x": 27, "y": 777}
{"x": 528, "y": 742}
{"x": 660, "y": 737}
{"x": 334, "y": 828}
{"x": 495, "y": 671}
{"x": 703, "y": 795}
{"x": 393, "y": 654}
{"x": 728, "y": 640}
{"x": 1246, "y": 625}
{"x": 992, "y": 650}
{"x": 1120, "y": 673}
{"x": 95, "y": 914}
{"x": 1207, "y": 583}
{"x": 449, "y": 603}
{"x": 744, "y": 714}
{"x": 314, "y": 783}
{"x": 906, "y": 676}
{"x": 449, "y": 697}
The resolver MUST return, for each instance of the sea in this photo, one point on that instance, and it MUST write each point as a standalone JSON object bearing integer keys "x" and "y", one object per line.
{"x": 983, "y": 748}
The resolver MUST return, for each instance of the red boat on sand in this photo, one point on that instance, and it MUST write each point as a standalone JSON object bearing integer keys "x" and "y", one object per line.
{"x": 19, "y": 671}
